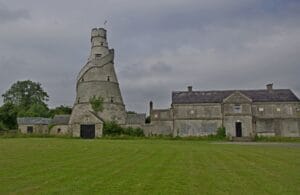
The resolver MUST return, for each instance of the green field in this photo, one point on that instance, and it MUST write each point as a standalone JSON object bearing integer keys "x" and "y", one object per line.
{"x": 68, "y": 166}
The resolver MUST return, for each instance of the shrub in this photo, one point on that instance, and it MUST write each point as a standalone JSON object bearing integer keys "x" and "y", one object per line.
{"x": 221, "y": 132}
{"x": 113, "y": 129}
{"x": 2, "y": 126}
{"x": 97, "y": 103}
{"x": 138, "y": 132}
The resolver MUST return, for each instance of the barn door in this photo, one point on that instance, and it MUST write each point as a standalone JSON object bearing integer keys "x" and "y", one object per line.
{"x": 87, "y": 131}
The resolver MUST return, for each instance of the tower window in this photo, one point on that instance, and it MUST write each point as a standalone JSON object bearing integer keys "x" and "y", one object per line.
{"x": 108, "y": 78}
{"x": 98, "y": 55}
{"x": 112, "y": 99}
{"x": 101, "y": 43}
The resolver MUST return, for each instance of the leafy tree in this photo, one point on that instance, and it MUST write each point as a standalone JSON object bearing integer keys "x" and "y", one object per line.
{"x": 25, "y": 93}
{"x": 8, "y": 116}
{"x": 24, "y": 99}
{"x": 35, "y": 110}
{"x": 60, "y": 110}
{"x": 97, "y": 103}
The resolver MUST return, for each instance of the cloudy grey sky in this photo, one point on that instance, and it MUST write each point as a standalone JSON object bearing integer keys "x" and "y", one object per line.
{"x": 160, "y": 45}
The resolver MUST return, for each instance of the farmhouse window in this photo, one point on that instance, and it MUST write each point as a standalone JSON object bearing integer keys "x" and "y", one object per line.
{"x": 237, "y": 108}
{"x": 260, "y": 109}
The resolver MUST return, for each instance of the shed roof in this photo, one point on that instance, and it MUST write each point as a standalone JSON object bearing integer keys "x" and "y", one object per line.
{"x": 276, "y": 95}
{"x": 61, "y": 119}
{"x": 33, "y": 121}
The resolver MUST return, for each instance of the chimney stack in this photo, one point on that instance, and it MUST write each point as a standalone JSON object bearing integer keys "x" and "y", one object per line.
{"x": 151, "y": 106}
{"x": 270, "y": 87}
{"x": 190, "y": 88}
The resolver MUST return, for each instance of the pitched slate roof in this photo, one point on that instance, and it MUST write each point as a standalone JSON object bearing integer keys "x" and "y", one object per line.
{"x": 33, "y": 121}
{"x": 276, "y": 95}
{"x": 61, "y": 119}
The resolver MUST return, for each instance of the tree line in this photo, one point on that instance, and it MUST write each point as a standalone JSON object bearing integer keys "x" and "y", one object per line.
{"x": 26, "y": 99}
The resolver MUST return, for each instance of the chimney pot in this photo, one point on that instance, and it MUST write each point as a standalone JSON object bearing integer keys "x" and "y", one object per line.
{"x": 190, "y": 88}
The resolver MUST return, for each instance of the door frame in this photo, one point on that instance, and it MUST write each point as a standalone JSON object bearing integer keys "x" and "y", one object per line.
{"x": 238, "y": 129}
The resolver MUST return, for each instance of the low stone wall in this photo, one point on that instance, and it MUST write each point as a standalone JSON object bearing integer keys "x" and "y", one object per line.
{"x": 159, "y": 128}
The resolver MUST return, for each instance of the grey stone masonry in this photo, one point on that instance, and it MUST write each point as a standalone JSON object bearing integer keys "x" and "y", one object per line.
{"x": 98, "y": 78}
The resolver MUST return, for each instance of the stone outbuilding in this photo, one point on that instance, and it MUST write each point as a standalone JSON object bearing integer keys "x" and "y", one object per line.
{"x": 60, "y": 125}
{"x": 28, "y": 125}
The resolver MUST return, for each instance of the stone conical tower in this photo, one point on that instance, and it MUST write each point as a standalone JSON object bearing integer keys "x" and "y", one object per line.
{"x": 97, "y": 78}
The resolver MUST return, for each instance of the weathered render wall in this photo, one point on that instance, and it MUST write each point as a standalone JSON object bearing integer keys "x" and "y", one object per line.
{"x": 60, "y": 130}
{"x": 282, "y": 118}
{"x": 41, "y": 129}
{"x": 237, "y": 109}
{"x": 196, "y": 119}
{"x": 230, "y": 122}
{"x": 138, "y": 118}
{"x": 161, "y": 123}
{"x": 82, "y": 114}
{"x": 186, "y": 128}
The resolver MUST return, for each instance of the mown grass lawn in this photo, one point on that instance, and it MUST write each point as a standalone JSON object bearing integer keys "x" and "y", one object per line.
{"x": 68, "y": 166}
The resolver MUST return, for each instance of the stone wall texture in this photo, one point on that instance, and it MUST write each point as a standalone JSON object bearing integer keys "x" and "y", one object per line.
{"x": 256, "y": 118}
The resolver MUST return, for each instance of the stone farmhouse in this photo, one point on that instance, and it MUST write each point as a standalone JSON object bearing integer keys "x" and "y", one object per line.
{"x": 243, "y": 113}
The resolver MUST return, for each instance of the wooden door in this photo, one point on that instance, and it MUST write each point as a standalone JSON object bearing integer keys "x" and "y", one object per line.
{"x": 238, "y": 129}
{"x": 87, "y": 131}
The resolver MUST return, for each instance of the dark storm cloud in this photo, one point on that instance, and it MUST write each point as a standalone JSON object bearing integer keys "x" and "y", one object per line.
{"x": 160, "y": 45}
{"x": 8, "y": 15}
